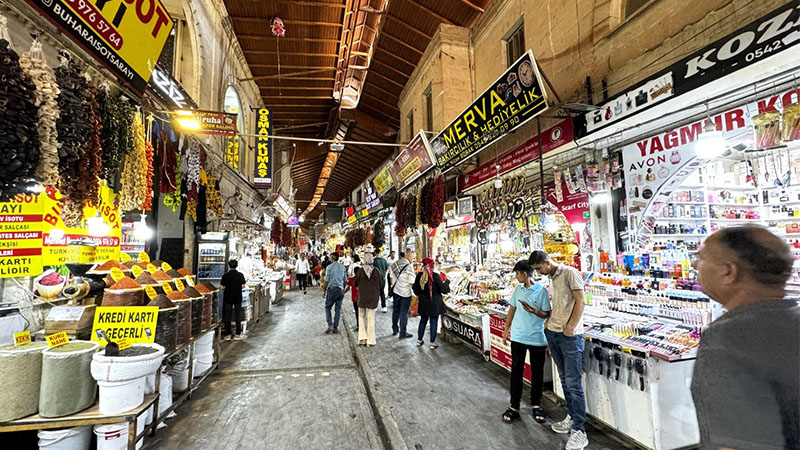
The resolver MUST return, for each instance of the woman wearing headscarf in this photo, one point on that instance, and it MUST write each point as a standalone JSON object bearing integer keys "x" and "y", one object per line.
{"x": 369, "y": 282}
{"x": 429, "y": 288}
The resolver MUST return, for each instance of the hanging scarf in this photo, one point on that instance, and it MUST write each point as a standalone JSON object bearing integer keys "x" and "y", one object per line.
{"x": 427, "y": 265}
{"x": 367, "y": 264}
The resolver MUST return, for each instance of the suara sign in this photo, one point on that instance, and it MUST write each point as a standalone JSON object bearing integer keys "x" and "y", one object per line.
{"x": 467, "y": 333}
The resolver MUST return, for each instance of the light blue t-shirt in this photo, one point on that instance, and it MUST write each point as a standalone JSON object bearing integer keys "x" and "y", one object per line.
{"x": 528, "y": 328}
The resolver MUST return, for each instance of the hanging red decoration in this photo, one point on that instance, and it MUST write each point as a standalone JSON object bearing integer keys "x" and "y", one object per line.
{"x": 278, "y": 28}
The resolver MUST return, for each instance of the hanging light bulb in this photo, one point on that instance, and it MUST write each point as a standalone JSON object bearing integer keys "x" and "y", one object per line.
{"x": 498, "y": 182}
{"x": 551, "y": 224}
{"x": 711, "y": 143}
{"x": 141, "y": 231}
{"x": 97, "y": 226}
{"x": 600, "y": 198}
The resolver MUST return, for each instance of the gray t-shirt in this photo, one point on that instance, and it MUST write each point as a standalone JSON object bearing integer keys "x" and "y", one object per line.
{"x": 746, "y": 382}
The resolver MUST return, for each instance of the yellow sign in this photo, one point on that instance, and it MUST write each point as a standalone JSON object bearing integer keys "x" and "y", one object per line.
{"x": 21, "y": 236}
{"x": 152, "y": 269}
{"x": 144, "y": 257}
{"x": 136, "y": 324}
{"x": 137, "y": 270}
{"x": 60, "y": 338}
{"x": 166, "y": 267}
{"x": 116, "y": 274}
{"x": 179, "y": 285}
{"x": 232, "y": 156}
{"x": 190, "y": 281}
{"x": 151, "y": 293}
{"x": 124, "y": 257}
{"x": 352, "y": 219}
{"x": 167, "y": 287}
{"x": 383, "y": 181}
{"x": 124, "y": 343}
{"x": 127, "y": 37}
{"x": 22, "y": 338}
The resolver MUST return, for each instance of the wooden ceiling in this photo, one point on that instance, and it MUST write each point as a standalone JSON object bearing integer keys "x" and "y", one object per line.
{"x": 302, "y": 96}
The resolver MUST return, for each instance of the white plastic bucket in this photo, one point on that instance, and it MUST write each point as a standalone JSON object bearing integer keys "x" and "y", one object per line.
{"x": 204, "y": 343}
{"x": 180, "y": 380}
{"x": 115, "y": 436}
{"x": 203, "y": 363}
{"x": 148, "y": 415}
{"x": 165, "y": 393}
{"x": 121, "y": 368}
{"x": 150, "y": 384}
{"x": 120, "y": 396}
{"x": 78, "y": 438}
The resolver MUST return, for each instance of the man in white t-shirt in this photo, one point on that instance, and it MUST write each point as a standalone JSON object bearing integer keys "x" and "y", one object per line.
{"x": 564, "y": 332}
{"x": 346, "y": 261}
{"x": 301, "y": 269}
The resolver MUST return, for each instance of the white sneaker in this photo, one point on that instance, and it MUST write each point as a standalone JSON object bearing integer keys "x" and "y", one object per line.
{"x": 563, "y": 427}
{"x": 228, "y": 338}
{"x": 577, "y": 440}
{"x": 383, "y": 309}
{"x": 240, "y": 337}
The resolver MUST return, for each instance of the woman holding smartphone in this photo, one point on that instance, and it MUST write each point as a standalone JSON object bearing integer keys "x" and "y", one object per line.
{"x": 530, "y": 307}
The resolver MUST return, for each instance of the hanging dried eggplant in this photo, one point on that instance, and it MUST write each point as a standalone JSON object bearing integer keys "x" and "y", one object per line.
{"x": 379, "y": 234}
{"x": 34, "y": 65}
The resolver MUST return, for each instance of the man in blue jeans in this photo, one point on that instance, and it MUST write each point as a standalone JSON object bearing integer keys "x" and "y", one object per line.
{"x": 335, "y": 278}
{"x": 564, "y": 332}
{"x": 401, "y": 278}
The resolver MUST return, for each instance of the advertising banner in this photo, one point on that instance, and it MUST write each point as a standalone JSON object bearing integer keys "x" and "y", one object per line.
{"x": 371, "y": 197}
{"x": 126, "y": 36}
{"x": 500, "y": 350}
{"x": 169, "y": 90}
{"x": 412, "y": 162}
{"x": 21, "y": 236}
{"x": 467, "y": 333}
{"x": 232, "y": 155}
{"x": 554, "y": 137}
{"x": 134, "y": 324}
{"x": 209, "y": 122}
{"x": 262, "y": 177}
{"x": 383, "y": 180}
{"x": 515, "y": 98}
{"x": 574, "y": 206}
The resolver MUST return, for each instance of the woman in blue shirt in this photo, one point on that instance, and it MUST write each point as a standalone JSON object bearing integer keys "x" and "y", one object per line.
{"x": 530, "y": 307}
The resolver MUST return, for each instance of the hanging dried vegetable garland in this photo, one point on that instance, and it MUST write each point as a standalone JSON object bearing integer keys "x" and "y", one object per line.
{"x": 193, "y": 171}
{"x": 368, "y": 235}
{"x": 275, "y": 232}
{"x": 134, "y": 174}
{"x": 439, "y": 195}
{"x": 410, "y": 218}
{"x": 287, "y": 236}
{"x": 35, "y": 67}
{"x": 360, "y": 237}
{"x": 148, "y": 199}
{"x": 117, "y": 114}
{"x": 173, "y": 199}
{"x": 423, "y": 204}
{"x": 379, "y": 234}
{"x": 399, "y": 216}
{"x": 92, "y": 168}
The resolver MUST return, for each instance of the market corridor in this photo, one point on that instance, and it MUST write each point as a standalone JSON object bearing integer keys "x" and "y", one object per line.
{"x": 289, "y": 385}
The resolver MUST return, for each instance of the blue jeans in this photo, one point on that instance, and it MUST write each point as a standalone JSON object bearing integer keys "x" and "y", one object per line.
{"x": 568, "y": 356}
{"x": 400, "y": 308}
{"x": 423, "y": 320}
{"x": 333, "y": 297}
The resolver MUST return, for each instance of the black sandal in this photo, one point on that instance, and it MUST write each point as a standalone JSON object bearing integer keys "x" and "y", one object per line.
{"x": 510, "y": 415}
{"x": 538, "y": 415}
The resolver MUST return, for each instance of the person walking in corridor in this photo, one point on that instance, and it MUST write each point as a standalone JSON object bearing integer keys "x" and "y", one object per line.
{"x": 382, "y": 265}
{"x": 400, "y": 283}
{"x": 368, "y": 280}
{"x": 301, "y": 269}
{"x": 746, "y": 382}
{"x": 530, "y": 306}
{"x": 429, "y": 288}
{"x": 335, "y": 278}
{"x": 564, "y": 332}
{"x": 232, "y": 284}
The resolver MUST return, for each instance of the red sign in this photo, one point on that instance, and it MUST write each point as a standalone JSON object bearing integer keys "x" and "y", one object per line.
{"x": 412, "y": 162}
{"x": 573, "y": 206}
{"x": 554, "y": 138}
{"x": 500, "y": 350}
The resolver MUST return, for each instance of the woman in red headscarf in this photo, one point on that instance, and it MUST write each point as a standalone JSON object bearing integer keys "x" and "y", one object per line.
{"x": 429, "y": 288}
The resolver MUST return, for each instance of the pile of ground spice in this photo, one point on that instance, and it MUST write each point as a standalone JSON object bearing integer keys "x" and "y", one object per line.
{"x": 157, "y": 262}
{"x": 191, "y": 292}
{"x": 184, "y": 272}
{"x": 209, "y": 285}
{"x": 143, "y": 265}
{"x": 174, "y": 274}
{"x": 108, "y": 265}
{"x": 145, "y": 279}
{"x": 201, "y": 288}
{"x": 175, "y": 295}
{"x": 162, "y": 301}
{"x": 160, "y": 275}
{"x": 125, "y": 283}
{"x": 130, "y": 264}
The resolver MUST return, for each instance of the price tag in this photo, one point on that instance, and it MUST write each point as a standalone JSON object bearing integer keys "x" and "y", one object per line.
{"x": 180, "y": 285}
{"x": 152, "y": 269}
{"x": 60, "y": 338}
{"x": 124, "y": 257}
{"x": 116, "y": 274}
{"x": 137, "y": 270}
{"x": 190, "y": 281}
{"x": 166, "y": 267}
{"x": 144, "y": 257}
{"x": 124, "y": 343}
{"x": 166, "y": 286}
{"x": 626, "y": 350}
{"x": 22, "y": 338}
{"x": 151, "y": 293}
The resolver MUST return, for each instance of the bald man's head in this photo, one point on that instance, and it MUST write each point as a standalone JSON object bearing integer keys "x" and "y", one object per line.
{"x": 760, "y": 254}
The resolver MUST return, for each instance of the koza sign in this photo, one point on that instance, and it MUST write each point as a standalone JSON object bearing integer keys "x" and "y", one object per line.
{"x": 465, "y": 332}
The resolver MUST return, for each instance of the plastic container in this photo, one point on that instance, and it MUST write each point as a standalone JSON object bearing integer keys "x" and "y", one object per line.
{"x": 67, "y": 386}
{"x": 77, "y": 438}
{"x": 204, "y": 343}
{"x": 203, "y": 362}
{"x": 115, "y": 436}
{"x": 178, "y": 369}
{"x": 122, "y": 378}
{"x": 20, "y": 367}
{"x": 165, "y": 393}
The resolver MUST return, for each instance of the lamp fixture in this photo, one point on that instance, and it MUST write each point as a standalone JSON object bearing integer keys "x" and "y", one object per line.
{"x": 97, "y": 226}
{"x": 711, "y": 143}
{"x": 498, "y": 182}
{"x": 600, "y": 198}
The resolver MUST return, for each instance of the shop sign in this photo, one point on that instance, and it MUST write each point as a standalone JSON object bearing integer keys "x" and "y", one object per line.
{"x": 21, "y": 236}
{"x": 262, "y": 177}
{"x": 127, "y": 37}
{"x": 412, "y": 162}
{"x": 766, "y": 37}
{"x": 515, "y": 98}
{"x": 500, "y": 350}
{"x": 656, "y": 165}
{"x": 232, "y": 152}
{"x": 211, "y": 122}
{"x": 135, "y": 324}
{"x": 554, "y": 137}
{"x": 575, "y": 206}
{"x": 373, "y": 200}
{"x": 467, "y": 333}
{"x": 167, "y": 88}
{"x": 283, "y": 207}
{"x": 383, "y": 180}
